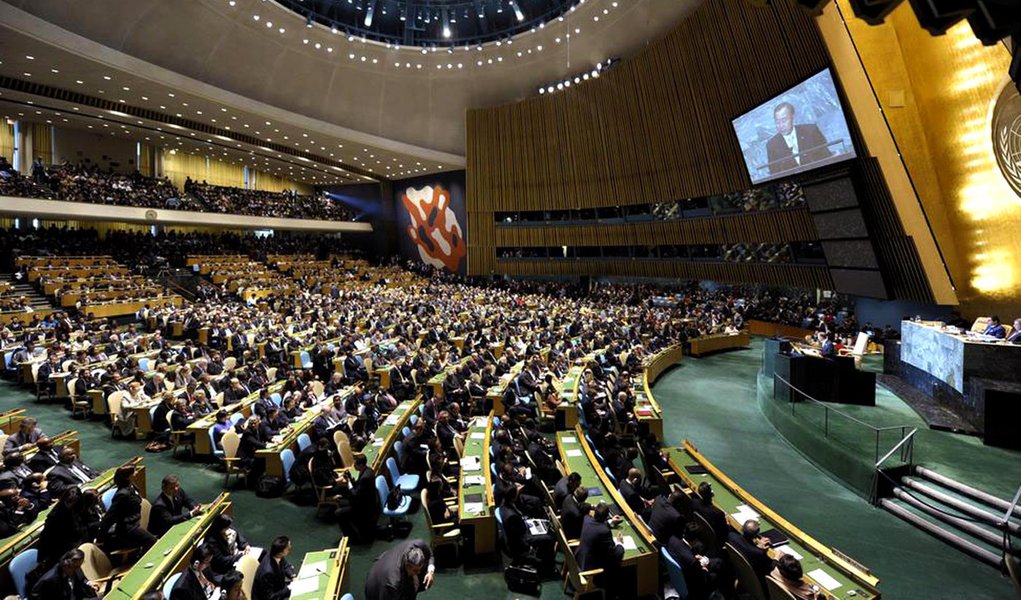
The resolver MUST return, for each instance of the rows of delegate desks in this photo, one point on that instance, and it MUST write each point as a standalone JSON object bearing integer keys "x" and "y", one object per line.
{"x": 641, "y": 553}
{"x": 27, "y": 537}
{"x": 821, "y": 564}
{"x": 476, "y": 506}
{"x": 322, "y": 576}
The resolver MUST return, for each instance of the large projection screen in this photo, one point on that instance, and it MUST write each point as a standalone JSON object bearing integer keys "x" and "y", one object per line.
{"x": 801, "y": 129}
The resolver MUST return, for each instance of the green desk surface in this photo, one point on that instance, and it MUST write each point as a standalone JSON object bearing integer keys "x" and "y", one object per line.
{"x": 475, "y": 447}
{"x": 325, "y": 579}
{"x": 156, "y": 565}
{"x": 392, "y": 424}
{"x": 726, "y": 500}
{"x": 505, "y": 380}
{"x": 591, "y": 478}
{"x": 571, "y": 382}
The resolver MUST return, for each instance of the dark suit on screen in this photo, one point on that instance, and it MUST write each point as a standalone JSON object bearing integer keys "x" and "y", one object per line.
{"x": 811, "y": 148}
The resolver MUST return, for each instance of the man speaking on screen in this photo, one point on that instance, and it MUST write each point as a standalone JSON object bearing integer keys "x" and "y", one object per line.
{"x": 794, "y": 146}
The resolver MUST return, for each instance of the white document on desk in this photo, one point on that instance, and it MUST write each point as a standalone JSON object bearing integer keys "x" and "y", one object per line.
{"x": 478, "y": 435}
{"x": 470, "y": 480}
{"x": 471, "y": 463}
{"x": 823, "y": 578}
{"x": 786, "y": 549}
{"x": 312, "y": 569}
{"x": 300, "y": 587}
{"x": 474, "y": 507}
{"x": 574, "y": 453}
{"x": 569, "y": 439}
{"x": 629, "y": 543}
{"x": 744, "y": 513}
{"x": 391, "y": 420}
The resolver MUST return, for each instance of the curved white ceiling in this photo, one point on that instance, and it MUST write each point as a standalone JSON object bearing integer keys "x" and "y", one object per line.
{"x": 358, "y": 87}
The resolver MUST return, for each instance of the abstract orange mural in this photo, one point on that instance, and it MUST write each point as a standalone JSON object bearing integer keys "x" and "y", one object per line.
{"x": 434, "y": 228}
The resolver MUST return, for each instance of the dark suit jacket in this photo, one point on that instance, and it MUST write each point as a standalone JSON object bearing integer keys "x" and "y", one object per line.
{"x": 167, "y": 512}
{"x": 125, "y": 511}
{"x": 60, "y": 478}
{"x": 41, "y": 461}
{"x": 665, "y": 521}
{"x": 388, "y": 581}
{"x": 757, "y": 557}
{"x": 694, "y": 576}
{"x": 572, "y": 517}
{"x": 633, "y": 496}
{"x": 188, "y": 586}
{"x": 715, "y": 517}
{"x": 53, "y": 586}
{"x": 597, "y": 549}
{"x": 811, "y": 148}
{"x": 515, "y": 531}
{"x": 271, "y": 579}
{"x": 363, "y": 495}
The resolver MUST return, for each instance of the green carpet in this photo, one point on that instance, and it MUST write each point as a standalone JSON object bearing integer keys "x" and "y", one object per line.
{"x": 709, "y": 401}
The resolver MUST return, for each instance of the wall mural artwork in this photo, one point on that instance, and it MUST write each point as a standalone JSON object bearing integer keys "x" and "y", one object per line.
{"x": 434, "y": 228}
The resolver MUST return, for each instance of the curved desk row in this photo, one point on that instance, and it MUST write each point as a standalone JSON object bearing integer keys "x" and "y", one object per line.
{"x": 640, "y": 550}
{"x": 832, "y": 571}
{"x": 169, "y": 555}
{"x": 388, "y": 432}
{"x": 475, "y": 503}
{"x": 718, "y": 342}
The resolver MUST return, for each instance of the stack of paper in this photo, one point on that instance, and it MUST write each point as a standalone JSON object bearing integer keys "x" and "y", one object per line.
{"x": 786, "y": 549}
{"x": 569, "y": 439}
{"x": 629, "y": 543}
{"x": 471, "y": 480}
{"x": 574, "y": 453}
{"x": 744, "y": 513}
{"x": 471, "y": 463}
{"x": 824, "y": 579}
{"x": 474, "y": 507}
{"x": 478, "y": 435}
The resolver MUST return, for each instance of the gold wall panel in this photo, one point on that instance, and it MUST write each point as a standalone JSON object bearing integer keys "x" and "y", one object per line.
{"x": 942, "y": 130}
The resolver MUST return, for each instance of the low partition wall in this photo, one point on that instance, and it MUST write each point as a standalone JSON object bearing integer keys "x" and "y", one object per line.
{"x": 837, "y": 438}
{"x": 59, "y": 210}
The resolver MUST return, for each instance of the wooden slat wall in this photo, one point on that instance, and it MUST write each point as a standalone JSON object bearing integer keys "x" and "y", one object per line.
{"x": 800, "y": 276}
{"x": 793, "y": 224}
{"x": 656, "y": 127}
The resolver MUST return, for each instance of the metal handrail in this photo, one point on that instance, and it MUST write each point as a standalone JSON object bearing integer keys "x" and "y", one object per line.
{"x": 838, "y": 411}
{"x": 896, "y": 446}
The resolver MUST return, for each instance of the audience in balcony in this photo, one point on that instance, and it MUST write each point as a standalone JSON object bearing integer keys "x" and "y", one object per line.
{"x": 85, "y": 182}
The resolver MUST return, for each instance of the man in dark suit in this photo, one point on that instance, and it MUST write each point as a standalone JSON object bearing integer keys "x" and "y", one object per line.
{"x": 666, "y": 518}
{"x": 703, "y": 505}
{"x": 24, "y": 438}
{"x": 754, "y": 548}
{"x": 519, "y": 540}
{"x": 573, "y": 512}
{"x": 64, "y": 581}
{"x": 1015, "y": 336}
{"x": 565, "y": 487}
{"x": 401, "y": 572}
{"x": 599, "y": 549}
{"x": 359, "y": 510}
{"x": 275, "y": 573}
{"x": 68, "y": 472}
{"x": 171, "y": 507}
{"x": 633, "y": 493}
{"x": 195, "y": 582}
{"x": 793, "y": 145}
{"x": 995, "y": 329}
{"x": 47, "y": 455}
{"x": 701, "y": 573}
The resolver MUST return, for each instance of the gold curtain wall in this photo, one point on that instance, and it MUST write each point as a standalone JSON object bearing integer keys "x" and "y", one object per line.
{"x": 7, "y": 140}
{"x": 937, "y": 94}
{"x": 42, "y": 143}
{"x": 145, "y": 160}
{"x": 180, "y": 166}
{"x": 268, "y": 182}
